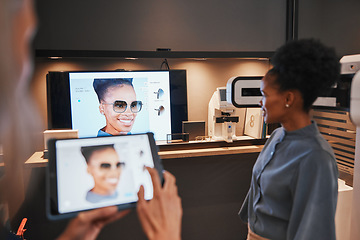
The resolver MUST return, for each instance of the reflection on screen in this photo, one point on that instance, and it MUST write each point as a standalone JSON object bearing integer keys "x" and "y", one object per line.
{"x": 246, "y": 92}
{"x": 100, "y": 172}
{"x": 93, "y": 117}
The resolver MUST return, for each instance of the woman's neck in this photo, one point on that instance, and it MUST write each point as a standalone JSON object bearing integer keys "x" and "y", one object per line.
{"x": 101, "y": 191}
{"x": 296, "y": 121}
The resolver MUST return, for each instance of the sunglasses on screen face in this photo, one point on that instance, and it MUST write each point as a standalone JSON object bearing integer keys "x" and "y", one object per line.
{"x": 120, "y": 106}
{"x": 108, "y": 166}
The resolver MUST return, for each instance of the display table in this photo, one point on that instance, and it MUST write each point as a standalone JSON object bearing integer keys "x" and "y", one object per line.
{"x": 184, "y": 150}
{"x": 36, "y": 160}
{"x": 212, "y": 180}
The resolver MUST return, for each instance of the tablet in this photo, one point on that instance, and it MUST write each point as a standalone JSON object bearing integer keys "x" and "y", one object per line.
{"x": 90, "y": 173}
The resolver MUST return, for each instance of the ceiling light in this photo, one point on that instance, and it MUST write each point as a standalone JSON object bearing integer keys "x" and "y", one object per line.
{"x": 55, "y": 58}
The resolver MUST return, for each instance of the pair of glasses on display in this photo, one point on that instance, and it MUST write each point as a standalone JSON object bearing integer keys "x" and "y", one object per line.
{"x": 120, "y": 106}
{"x": 109, "y": 166}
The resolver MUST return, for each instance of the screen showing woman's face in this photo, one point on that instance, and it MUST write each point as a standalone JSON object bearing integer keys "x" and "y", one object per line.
{"x": 119, "y": 123}
{"x": 105, "y": 167}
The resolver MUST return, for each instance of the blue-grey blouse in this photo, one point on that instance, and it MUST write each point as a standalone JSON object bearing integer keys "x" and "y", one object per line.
{"x": 293, "y": 191}
{"x": 95, "y": 198}
{"x": 102, "y": 133}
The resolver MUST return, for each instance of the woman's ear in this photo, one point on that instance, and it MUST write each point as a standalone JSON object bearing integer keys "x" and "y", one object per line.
{"x": 290, "y": 98}
{"x": 101, "y": 109}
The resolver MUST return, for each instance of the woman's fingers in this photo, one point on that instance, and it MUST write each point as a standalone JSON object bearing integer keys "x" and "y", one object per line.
{"x": 117, "y": 216}
{"x": 100, "y": 213}
{"x": 161, "y": 216}
{"x": 170, "y": 183}
{"x": 155, "y": 179}
{"x": 141, "y": 194}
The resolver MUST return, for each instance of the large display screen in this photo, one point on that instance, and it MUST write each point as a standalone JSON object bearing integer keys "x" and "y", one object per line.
{"x": 113, "y": 103}
{"x": 152, "y": 89}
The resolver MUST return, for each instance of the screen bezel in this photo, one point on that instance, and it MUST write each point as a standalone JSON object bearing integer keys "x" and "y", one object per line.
{"x": 52, "y": 184}
{"x": 236, "y": 94}
{"x": 59, "y": 102}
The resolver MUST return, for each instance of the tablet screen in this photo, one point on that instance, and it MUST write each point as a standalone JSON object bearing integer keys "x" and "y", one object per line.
{"x": 97, "y": 172}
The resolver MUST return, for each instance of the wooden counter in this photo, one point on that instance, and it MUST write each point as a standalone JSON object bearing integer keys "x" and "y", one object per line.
{"x": 176, "y": 151}
{"x": 36, "y": 160}
{"x": 209, "y": 152}
{"x": 212, "y": 178}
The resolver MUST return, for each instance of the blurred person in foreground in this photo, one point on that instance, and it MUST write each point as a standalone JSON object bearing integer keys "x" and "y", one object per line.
{"x": 160, "y": 217}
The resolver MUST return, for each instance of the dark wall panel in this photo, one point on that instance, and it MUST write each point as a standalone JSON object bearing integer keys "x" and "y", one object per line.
{"x": 143, "y": 25}
{"x": 334, "y": 22}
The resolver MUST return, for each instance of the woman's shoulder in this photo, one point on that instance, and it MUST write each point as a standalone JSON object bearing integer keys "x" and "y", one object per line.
{"x": 102, "y": 133}
{"x": 277, "y": 134}
{"x": 317, "y": 144}
{"x": 319, "y": 158}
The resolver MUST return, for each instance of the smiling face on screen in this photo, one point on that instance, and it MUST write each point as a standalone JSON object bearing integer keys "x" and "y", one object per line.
{"x": 105, "y": 167}
{"x": 118, "y": 123}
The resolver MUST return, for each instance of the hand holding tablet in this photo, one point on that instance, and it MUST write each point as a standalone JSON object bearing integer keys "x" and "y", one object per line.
{"x": 161, "y": 216}
{"x": 159, "y": 210}
{"x": 91, "y": 173}
{"x": 87, "y": 225}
